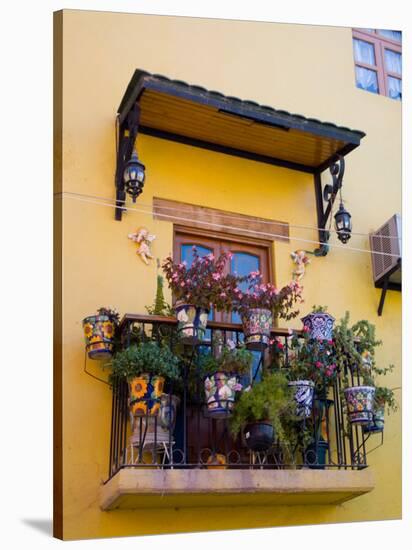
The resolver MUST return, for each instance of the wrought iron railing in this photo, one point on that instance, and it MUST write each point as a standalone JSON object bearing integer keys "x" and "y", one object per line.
{"x": 198, "y": 440}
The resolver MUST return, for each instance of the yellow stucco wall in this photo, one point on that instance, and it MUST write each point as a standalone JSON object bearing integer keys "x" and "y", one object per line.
{"x": 302, "y": 69}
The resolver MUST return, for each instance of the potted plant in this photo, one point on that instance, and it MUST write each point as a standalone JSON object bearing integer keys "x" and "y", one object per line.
{"x": 355, "y": 351}
{"x": 319, "y": 323}
{"x": 312, "y": 370}
{"x": 221, "y": 375}
{"x": 145, "y": 367}
{"x": 196, "y": 289}
{"x": 259, "y": 412}
{"x": 99, "y": 333}
{"x": 160, "y": 306}
{"x": 259, "y": 304}
{"x": 384, "y": 399}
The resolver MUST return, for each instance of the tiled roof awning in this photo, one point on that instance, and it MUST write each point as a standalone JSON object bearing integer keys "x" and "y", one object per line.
{"x": 172, "y": 109}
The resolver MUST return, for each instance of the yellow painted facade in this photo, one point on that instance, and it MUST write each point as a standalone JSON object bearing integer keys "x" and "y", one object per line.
{"x": 301, "y": 69}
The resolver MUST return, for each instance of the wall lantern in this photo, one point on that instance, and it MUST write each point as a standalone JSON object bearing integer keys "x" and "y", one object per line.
{"x": 130, "y": 172}
{"x": 134, "y": 176}
{"x": 343, "y": 224}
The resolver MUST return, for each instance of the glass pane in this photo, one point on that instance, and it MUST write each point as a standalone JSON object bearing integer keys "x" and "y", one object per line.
{"x": 367, "y": 79}
{"x": 393, "y": 35}
{"x": 364, "y": 52}
{"x": 242, "y": 264}
{"x": 394, "y": 88}
{"x": 393, "y": 61}
{"x": 187, "y": 252}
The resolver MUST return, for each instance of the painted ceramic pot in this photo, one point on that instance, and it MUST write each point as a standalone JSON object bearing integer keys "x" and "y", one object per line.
{"x": 378, "y": 420}
{"x": 220, "y": 392}
{"x": 145, "y": 392}
{"x": 315, "y": 455}
{"x": 191, "y": 323}
{"x": 320, "y": 325}
{"x": 303, "y": 391}
{"x": 259, "y": 436}
{"x": 99, "y": 335}
{"x": 359, "y": 401}
{"x": 158, "y": 430}
{"x": 257, "y": 324}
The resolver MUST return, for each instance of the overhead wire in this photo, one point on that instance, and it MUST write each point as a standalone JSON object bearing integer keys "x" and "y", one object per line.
{"x": 228, "y": 216}
{"x": 112, "y": 204}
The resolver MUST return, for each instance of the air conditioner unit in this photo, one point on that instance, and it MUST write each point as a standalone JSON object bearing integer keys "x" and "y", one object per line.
{"x": 386, "y": 249}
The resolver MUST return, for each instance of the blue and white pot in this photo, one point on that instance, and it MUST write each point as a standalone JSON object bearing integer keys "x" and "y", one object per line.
{"x": 303, "y": 391}
{"x": 191, "y": 323}
{"x": 220, "y": 393}
{"x": 320, "y": 325}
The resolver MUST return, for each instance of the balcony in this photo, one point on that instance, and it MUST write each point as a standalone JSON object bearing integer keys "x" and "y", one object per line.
{"x": 199, "y": 463}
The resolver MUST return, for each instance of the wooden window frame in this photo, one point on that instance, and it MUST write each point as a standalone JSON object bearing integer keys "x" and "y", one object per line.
{"x": 228, "y": 237}
{"x": 380, "y": 44}
{"x": 186, "y": 235}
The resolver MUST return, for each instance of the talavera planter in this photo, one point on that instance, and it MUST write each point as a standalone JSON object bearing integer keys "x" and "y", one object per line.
{"x": 303, "y": 391}
{"x": 360, "y": 402}
{"x": 99, "y": 333}
{"x": 257, "y": 324}
{"x": 378, "y": 420}
{"x": 191, "y": 323}
{"x": 145, "y": 392}
{"x": 320, "y": 325}
{"x": 156, "y": 431}
{"x": 259, "y": 436}
{"x": 220, "y": 392}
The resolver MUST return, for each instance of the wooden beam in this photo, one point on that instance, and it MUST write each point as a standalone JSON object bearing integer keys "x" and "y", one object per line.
{"x": 232, "y": 223}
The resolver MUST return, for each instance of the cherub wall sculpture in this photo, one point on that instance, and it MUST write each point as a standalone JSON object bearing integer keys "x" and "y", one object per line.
{"x": 301, "y": 260}
{"x": 144, "y": 239}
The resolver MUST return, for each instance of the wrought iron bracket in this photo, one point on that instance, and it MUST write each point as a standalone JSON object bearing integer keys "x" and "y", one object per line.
{"x": 329, "y": 193}
{"x": 128, "y": 131}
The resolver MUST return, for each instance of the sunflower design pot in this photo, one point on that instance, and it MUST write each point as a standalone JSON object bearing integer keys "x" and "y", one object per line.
{"x": 155, "y": 431}
{"x": 220, "y": 392}
{"x": 145, "y": 392}
{"x": 359, "y": 402}
{"x": 99, "y": 333}
{"x": 257, "y": 324}
{"x": 303, "y": 391}
{"x": 319, "y": 325}
{"x": 191, "y": 323}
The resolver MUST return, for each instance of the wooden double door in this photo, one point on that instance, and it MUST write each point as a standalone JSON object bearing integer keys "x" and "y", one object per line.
{"x": 248, "y": 255}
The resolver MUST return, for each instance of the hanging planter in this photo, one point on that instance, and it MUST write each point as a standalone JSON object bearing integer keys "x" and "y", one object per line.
{"x": 259, "y": 436}
{"x": 99, "y": 331}
{"x": 378, "y": 420}
{"x": 220, "y": 392}
{"x": 191, "y": 323}
{"x": 360, "y": 401}
{"x": 319, "y": 325}
{"x": 303, "y": 391}
{"x": 257, "y": 324}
